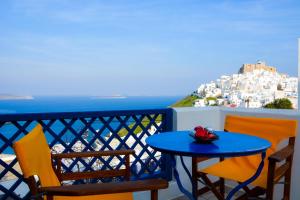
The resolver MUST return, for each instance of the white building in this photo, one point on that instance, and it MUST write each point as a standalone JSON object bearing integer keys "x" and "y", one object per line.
{"x": 257, "y": 88}
{"x": 199, "y": 103}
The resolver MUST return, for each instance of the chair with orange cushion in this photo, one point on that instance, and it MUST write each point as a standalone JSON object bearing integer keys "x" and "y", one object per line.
{"x": 240, "y": 169}
{"x": 36, "y": 160}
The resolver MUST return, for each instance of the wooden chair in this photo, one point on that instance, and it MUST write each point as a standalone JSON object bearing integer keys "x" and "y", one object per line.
{"x": 35, "y": 159}
{"x": 278, "y": 163}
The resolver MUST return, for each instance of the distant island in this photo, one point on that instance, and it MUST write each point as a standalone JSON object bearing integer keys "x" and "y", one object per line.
{"x": 109, "y": 97}
{"x": 15, "y": 97}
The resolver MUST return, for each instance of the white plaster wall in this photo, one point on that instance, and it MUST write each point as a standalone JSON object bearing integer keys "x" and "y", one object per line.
{"x": 188, "y": 118}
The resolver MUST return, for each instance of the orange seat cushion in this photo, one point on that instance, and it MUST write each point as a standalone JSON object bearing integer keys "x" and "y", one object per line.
{"x": 240, "y": 172}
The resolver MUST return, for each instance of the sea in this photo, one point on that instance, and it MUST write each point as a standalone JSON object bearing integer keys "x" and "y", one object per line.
{"x": 42, "y": 104}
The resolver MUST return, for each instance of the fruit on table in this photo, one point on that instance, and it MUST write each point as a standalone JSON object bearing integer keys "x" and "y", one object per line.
{"x": 204, "y": 133}
{"x": 200, "y": 131}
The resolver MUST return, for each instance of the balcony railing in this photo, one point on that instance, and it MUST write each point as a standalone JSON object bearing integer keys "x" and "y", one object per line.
{"x": 86, "y": 131}
{"x": 76, "y": 131}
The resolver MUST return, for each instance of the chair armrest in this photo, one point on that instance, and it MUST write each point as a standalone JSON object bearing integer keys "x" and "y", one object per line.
{"x": 93, "y": 174}
{"x": 274, "y": 173}
{"x": 105, "y": 188}
{"x": 282, "y": 154}
{"x": 92, "y": 154}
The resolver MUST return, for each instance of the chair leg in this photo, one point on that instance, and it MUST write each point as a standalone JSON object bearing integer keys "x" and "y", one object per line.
{"x": 246, "y": 194}
{"x": 212, "y": 187}
{"x": 222, "y": 182}
{"x": 251, "y": 193}
{"x": 270, "y": 182}
{"x": 154, "y": 194}
{"x": 287, "y": 180}
{"x": 49, "y": 197}
{"x": 222, "y": 187}
{"x": 194, "y": 177}
{"x": 287, "y": 186}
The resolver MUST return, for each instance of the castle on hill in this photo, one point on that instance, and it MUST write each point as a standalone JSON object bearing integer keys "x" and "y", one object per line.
{"x": 260, "y": 65}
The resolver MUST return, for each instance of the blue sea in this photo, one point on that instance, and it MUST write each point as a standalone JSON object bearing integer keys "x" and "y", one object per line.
{"x": 76, "y": 104}
{"x": 80, "y": 103}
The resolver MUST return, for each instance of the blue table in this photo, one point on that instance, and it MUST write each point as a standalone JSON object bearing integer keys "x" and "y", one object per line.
{"x": 228, "y": 145}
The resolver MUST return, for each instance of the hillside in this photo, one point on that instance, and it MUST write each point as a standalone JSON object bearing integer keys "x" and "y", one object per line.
{"x": 185, "y": 102}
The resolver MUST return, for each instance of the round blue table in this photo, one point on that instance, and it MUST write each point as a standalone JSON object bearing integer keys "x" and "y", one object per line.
{"x": 228, "y": 145}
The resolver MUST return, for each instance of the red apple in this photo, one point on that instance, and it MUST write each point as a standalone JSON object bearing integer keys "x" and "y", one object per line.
{"x": 200, "y": 131}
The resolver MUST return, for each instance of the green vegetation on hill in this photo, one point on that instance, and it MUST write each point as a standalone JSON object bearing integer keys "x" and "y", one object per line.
{"x": 211, "y": 99}
{"x": 123, "y": 132}
{"x": 280, "y": 104}
{"x": 185, "y": 102}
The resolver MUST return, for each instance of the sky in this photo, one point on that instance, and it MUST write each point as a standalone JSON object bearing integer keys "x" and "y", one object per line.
{"x": 139, "y": 47}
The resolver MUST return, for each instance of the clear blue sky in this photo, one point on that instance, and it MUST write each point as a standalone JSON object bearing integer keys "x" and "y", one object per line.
{"x": 135, "y": 47}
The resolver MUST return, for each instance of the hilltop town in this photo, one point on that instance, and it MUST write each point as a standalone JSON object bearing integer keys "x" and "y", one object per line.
{"x": 254, "y": 86}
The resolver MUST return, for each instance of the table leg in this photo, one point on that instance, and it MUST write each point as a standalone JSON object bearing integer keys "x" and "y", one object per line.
{"x": 250, "y": 180}
{"x": 177, "y": 178}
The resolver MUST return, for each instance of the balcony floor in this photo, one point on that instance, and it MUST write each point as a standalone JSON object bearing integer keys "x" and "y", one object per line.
{"x": 209, "y": 195}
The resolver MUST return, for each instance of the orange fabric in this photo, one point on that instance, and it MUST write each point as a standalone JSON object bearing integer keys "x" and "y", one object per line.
{"x": 242, "y": 168}
{"x": 34, "y": 157}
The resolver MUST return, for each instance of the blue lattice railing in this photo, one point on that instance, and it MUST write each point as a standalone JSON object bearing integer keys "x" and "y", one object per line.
{"x": 86, "y": 131}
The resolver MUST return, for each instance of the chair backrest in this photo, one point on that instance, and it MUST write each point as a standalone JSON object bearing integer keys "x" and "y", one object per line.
{"x": 34, "y": 157}
{"x": 274, "y": 130}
